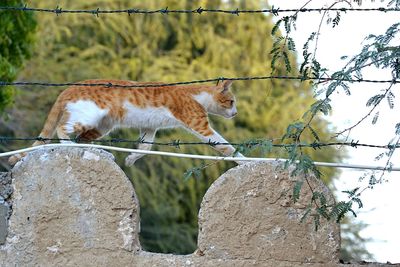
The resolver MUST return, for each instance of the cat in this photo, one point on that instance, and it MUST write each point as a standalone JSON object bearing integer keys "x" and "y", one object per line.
{"x": 91, "y": 112}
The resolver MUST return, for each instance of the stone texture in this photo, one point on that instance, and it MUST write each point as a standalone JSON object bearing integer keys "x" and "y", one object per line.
{"x": 249, "y": 213}
{"x": 5, "y": 207}
{"x": 4, "y": 211}
{"x": 5, "y": 185}
{"x": 75, "y": 207}
{"x": 70, "y": 204}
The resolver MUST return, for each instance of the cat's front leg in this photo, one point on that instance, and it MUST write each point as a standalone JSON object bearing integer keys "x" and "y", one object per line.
{"x": 146, "y": 137}
{"x": 200, "y": 126}
{"x": 225, "y": 148}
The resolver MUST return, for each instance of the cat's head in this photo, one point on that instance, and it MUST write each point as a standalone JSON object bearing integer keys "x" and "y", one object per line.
{"x": 225, "y": 100}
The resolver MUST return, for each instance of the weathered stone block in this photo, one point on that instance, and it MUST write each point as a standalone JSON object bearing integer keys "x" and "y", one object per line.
{"x": 70, "y": 204}
{"x": 249, "y": 213}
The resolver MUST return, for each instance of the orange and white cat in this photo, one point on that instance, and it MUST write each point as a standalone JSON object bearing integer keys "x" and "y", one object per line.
{"x": 91, "y": 112}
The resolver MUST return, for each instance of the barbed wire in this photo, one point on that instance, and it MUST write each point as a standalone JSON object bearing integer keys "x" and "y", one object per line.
{"x": 275, "y": 11}
{"x": 218, "y": 79}
{"x": 192, "y": 156}
{"x": 177, "y": 143}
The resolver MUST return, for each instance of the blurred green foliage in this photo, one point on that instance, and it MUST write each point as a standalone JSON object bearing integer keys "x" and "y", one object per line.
{"x": 168, "y": 48}
{"x": 17, "y": 30}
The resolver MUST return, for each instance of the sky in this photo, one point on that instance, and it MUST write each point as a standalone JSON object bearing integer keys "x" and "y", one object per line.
{"x": 381, "y": 204}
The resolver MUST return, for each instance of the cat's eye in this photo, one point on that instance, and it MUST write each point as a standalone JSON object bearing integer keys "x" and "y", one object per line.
{"x": 229, "y": 102}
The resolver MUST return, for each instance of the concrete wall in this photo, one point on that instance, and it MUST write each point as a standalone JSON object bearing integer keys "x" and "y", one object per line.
{"x": 75, "y": 207}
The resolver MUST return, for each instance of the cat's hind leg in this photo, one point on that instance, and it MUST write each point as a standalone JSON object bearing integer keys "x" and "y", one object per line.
{"x": 80, "y": 132}
{"x": 60, "y": 132}
{"x": 89, "y": 135}
{"x": 146, "y": 137}
{"x": 63, "y": 133}
{"x": 81, "y": 127}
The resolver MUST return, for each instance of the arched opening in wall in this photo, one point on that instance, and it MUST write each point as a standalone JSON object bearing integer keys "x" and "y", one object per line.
{"x": 169, "y": 203}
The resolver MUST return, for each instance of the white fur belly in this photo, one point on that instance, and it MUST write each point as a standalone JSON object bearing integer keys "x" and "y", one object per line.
{"x": 149, "y": 117}
{"x": 85, "y": 112}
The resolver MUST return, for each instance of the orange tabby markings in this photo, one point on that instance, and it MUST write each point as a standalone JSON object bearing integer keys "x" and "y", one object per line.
{"x": 89, "y": 113}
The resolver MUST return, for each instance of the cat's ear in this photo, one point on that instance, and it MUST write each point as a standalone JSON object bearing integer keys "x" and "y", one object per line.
{"x": 226, "y": 85}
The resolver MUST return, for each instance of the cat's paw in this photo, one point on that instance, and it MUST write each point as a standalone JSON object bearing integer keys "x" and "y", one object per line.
{"x": 131, "y": 159}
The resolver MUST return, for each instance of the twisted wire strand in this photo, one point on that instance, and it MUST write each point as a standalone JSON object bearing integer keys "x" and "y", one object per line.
{"x": 133, "y": 11}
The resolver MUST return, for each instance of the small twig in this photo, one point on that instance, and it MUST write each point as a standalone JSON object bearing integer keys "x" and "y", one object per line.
{"x": 366, "y": 116}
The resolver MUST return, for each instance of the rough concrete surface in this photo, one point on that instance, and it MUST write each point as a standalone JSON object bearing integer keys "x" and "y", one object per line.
{"x": 5, "y": 208}
{"x": 75, "y": 207}
{"x": 5, "y": 185}
{"x": 269, "y": 225}
{"x": 70, "y": 205}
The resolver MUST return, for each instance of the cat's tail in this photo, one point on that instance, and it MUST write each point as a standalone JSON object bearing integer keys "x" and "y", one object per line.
{"x": 47, "y": 131}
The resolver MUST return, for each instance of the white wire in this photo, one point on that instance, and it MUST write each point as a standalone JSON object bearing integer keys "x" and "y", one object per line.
{"x": 204, "y": 157}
